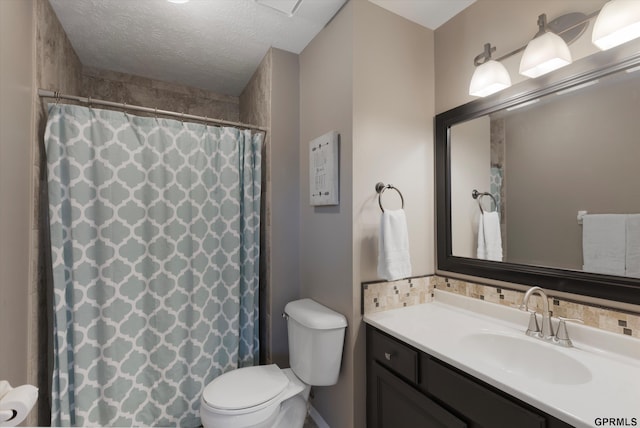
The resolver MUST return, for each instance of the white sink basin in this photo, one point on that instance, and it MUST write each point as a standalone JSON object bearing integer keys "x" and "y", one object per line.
{"x": 524, "y": 356}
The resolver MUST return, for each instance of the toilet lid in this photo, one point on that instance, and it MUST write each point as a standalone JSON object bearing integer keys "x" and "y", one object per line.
{"x": 245, "y": 387}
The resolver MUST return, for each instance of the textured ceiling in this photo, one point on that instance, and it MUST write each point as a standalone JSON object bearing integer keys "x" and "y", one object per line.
{"x": 209, "y": 44}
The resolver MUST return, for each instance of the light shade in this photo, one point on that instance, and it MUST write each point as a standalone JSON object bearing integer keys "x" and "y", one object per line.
{"x": 544, "y": 54}
{"x": 489, "y": 78}
{"x": 617, "y": 23}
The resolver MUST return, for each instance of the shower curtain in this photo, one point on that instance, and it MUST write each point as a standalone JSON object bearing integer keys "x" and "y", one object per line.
{"x": 155, "y": 244}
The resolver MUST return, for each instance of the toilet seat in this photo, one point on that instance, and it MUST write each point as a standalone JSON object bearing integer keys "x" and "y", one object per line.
{"x": 223, "y": 398}
{"x": 247, "y": 388}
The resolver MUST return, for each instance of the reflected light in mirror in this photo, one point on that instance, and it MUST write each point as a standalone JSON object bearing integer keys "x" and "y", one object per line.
{"x": 617, "y": 23}
{"x": 577, "y": 87}
{"x": 518, "y": 106}
{"x": 489, "y": 78}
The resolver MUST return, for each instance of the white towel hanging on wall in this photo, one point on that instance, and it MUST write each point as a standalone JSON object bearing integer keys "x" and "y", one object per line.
{"x": 394, "y": 260}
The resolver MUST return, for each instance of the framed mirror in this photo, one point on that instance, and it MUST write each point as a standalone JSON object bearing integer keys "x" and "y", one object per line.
{"x": 556, "y": 162}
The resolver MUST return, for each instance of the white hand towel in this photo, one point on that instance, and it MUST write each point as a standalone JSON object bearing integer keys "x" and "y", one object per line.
{"x": 489, "y": 237}
{"x": 394, "y": 261}
{"x": 633, "y": 246}
{"x": 604, "y": 243}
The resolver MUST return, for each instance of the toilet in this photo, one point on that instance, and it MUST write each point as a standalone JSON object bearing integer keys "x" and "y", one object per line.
{"x": 271, "y": 397}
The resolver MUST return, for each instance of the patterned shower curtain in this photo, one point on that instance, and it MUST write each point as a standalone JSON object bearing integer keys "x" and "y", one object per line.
{"x": 155, "y": 245}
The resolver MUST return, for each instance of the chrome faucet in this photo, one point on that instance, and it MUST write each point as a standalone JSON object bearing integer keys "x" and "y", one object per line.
{"x": 546, "y": 332}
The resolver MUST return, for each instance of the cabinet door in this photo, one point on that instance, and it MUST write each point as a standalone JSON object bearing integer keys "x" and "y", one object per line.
{"x": 476, "y": 402}
{"x": 394, "y": 404}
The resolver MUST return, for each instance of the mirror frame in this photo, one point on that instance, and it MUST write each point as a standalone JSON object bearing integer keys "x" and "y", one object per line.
{"x": 609, "y": 287}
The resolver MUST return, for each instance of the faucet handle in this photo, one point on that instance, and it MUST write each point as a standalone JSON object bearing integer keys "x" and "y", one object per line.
{"x": 534, "y": 328}
{"x": 562, "y": 335}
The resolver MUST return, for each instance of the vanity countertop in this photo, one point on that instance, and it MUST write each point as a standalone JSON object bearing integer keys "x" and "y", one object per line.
{"x": 607, "y": 387}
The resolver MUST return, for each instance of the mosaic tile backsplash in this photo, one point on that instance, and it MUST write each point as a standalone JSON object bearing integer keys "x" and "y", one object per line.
{"x": 381, "y": 296}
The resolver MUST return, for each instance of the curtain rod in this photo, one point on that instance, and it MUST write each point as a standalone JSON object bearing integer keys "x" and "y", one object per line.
{"x": 43, "y": 93}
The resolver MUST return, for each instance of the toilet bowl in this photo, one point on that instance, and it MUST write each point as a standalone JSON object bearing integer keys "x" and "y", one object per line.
{"x": 271, "y": 397}
{"x": 251, "y": 397}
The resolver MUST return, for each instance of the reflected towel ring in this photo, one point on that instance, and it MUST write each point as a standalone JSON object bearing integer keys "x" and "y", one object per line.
{"x": 478, "y": 196}
{"x": 381, "y": 187}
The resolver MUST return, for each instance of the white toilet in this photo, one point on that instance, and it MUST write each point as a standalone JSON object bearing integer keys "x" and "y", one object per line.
{"x": 270, "y": 397}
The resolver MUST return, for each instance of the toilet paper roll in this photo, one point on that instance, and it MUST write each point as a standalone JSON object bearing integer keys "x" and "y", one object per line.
{"x": 20, "y": 401}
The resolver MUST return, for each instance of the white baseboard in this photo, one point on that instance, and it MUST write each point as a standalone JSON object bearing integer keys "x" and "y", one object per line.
{"x": 317, "y": 418}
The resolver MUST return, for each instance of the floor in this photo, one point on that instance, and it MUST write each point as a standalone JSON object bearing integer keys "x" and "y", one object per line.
{"x": 309, "y": 423}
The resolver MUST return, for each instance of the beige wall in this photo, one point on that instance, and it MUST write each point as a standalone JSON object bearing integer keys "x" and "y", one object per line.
{"x": 507, "y": 25}
{"x": 326, "y": 260}
{"x": 369, "y": 75}
{"x": 16, "y": 118}
{"x": 393, "y": 108}
{"x": 255, "y": 107}
{"x": 285, "y": 196}
{"x": 567, "y": 155}
{"x": 393, "y": 86}
{"x": 471, "y": 148}
{"x": 271, "y": 99}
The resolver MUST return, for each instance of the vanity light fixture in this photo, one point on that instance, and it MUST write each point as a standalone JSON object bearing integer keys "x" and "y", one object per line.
{"x": 178, "y": 1}
{"x": 490, "y": 76}
{"x": 617, "y": 23}
{"x": 545, "y": 53}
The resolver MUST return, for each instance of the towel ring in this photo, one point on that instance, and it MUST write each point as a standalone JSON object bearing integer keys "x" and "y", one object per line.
{"x": 478, "y": 196}
{"x": 381, "y": 187}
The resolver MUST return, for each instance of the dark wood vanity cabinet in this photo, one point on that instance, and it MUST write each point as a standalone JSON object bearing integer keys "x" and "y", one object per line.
{"x": 407, "y": 388}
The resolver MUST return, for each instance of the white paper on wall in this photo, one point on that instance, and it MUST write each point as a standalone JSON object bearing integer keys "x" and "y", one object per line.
{"x": 324, "y": 169}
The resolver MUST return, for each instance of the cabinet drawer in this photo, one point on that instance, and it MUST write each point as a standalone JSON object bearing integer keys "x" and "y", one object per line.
{"x": 393, "y": 355}
{"x": 473, "y": 400}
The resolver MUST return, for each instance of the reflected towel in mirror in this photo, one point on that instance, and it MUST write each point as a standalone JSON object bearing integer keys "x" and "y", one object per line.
{"x": 633, "y": 246}
{"x": 604, "y": 243}
{"x": 489, "y": 237}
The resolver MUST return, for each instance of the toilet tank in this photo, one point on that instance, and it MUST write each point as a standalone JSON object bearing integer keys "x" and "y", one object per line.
{"x": 316, "y": 338}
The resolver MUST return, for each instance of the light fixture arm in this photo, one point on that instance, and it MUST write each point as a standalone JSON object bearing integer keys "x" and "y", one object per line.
{"x": 485, "y": 55}
{"x": 542, "y": 25}
{"x": 587, "y": 18}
